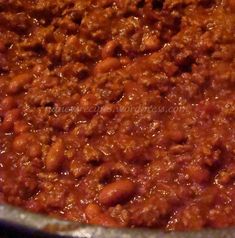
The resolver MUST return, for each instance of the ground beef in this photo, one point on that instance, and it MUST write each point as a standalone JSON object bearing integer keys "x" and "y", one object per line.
{"x": 119, "y": 112}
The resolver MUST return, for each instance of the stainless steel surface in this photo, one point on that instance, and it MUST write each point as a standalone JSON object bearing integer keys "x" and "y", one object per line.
{"x": 35, "y": 225}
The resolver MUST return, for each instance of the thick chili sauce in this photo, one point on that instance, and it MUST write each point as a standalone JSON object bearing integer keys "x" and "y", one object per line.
{"x": 119, "y": 112}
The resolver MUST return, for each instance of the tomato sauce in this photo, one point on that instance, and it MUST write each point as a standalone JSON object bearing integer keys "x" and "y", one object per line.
{"x": 119, "y": 113}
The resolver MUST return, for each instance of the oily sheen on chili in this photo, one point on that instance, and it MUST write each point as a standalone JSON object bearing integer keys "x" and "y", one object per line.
{"x": 119, "y": 113}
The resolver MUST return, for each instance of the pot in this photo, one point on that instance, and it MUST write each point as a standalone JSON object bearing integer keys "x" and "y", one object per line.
{"x": 18, "y": 223}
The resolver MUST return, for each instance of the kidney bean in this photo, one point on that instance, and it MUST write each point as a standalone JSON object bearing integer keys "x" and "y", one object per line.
{"x": 109, "y": 49}
{"x": 92, "y": 210}
{"x": 35, "y": 150}
{"x": 8, "y": 103}
{"x": 176, "y": 135}
{"x": 18, "y": 82}
{"x": 226, "y": 176}
{"x": 107, "y": 65}
{"x": 9, "y": 119}
{"x": 21, "y": 142}
{"x": 117, "y": 192}
{"x": 20, "y": 127}
{"x": 44, "y": 137}
{"x": 55, "y": 156}
{"x": 97, "y": 217}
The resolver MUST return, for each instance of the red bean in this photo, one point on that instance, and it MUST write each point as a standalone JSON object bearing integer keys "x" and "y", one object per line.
{"x": 55, "y": 156}
{"x": 8, "y": 103}
{"x": 117, "y": 192}
{"x": 92, "y": 210}
{"x": 22, "y": 141}
{"x": 176, "y": 135}
{"x": 20, "y": 127}
{"x": 35, "y": 150}
{"x": 9, "y": 119}
{"x": 18, "y": 82}
{"x": 97, "y": 217}
{"x": 226, "y": 176}
{"x": 107, "y": 65}
{"x": 27, "y": 143}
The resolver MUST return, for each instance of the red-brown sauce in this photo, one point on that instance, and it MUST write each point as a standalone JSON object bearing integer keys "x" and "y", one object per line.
{"x": 119, "y": 112}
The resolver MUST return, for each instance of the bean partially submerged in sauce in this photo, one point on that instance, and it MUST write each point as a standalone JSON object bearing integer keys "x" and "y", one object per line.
{"x": 55, "y": 156}
{"x": 119, "y": 112}
{"x": 97, "y": 217}
{"x": 117, "y": 192}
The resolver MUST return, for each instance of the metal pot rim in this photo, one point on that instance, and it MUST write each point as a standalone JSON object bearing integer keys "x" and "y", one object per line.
{"x": 29, "y": 223}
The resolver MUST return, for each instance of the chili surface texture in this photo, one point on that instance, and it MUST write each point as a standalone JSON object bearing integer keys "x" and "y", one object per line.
{"x": 119, "y": 112}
